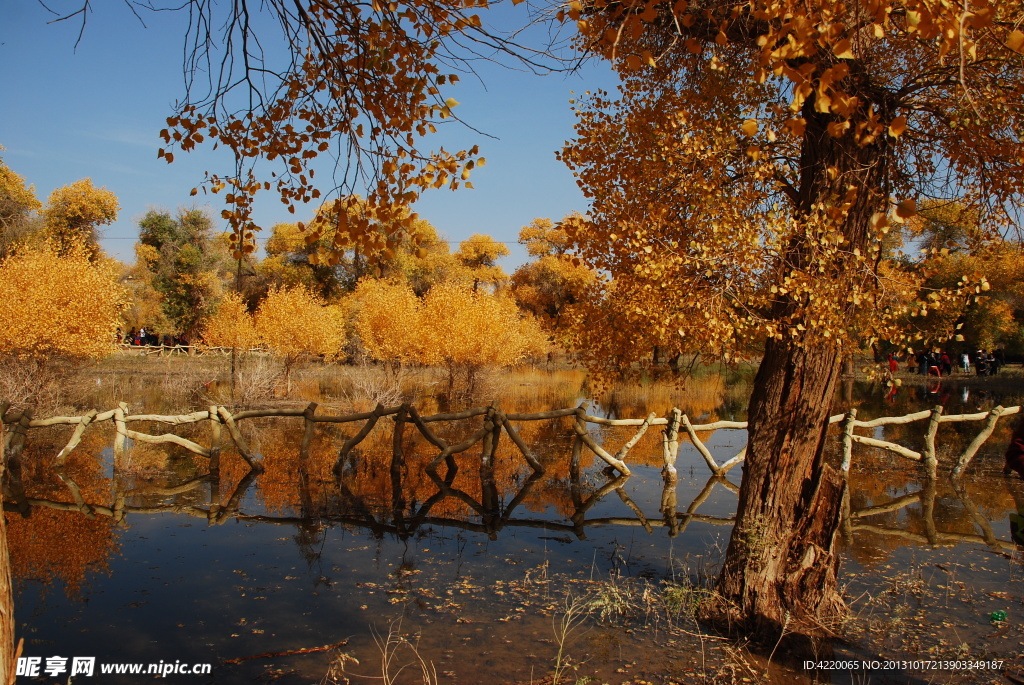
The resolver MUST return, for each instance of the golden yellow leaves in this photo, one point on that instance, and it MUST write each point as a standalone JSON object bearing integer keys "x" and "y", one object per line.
{"x": 15, "y": 196}
{"x": 1015, "y": 41}
{"x": 842, "y": 49}
{"x": 295, "y": 322}
{"x": 59, "y": 303}
{"x": 452, "y": 326}
{"x": 388, "y": 319}
{"x": 231, "y": 326}
{"x": 369, "y": 88}
{"x": 74, "y": 212}
{"x": 898, "y": 126}
{"x": 905, "y": 210}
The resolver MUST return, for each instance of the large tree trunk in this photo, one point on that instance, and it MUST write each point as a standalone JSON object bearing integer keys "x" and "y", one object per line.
{"x": 8, "y": 654}
{"x": 780, "y": 568}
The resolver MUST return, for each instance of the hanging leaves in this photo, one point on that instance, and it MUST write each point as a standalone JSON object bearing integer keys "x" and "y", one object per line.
{"x": 354, "y": 80}
{"x": 742, "y": 180}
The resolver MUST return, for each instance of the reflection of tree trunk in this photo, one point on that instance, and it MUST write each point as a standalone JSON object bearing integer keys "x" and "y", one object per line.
{"x": 780, "y": 566}
{"x": 397, "y": 471}
{"x": 848, "y": 371}
{"x": 928, "y": 510}
{"x": 847, "y": 391}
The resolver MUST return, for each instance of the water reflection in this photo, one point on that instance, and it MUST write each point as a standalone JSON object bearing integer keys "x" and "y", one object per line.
{"x": 398, "y": 495}
{"x": 158, "y": 552}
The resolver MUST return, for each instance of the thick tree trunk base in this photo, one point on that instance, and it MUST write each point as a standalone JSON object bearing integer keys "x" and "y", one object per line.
{"x": 780, "y": 570}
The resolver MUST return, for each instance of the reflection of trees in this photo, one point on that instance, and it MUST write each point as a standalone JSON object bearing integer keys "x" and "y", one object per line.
{"x": 392, "y": 471}
{"x": 56, "y": 544}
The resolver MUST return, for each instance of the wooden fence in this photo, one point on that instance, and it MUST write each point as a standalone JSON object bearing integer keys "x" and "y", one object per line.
{"x": 494, "y": 422}
{"x": 179, "y": 350}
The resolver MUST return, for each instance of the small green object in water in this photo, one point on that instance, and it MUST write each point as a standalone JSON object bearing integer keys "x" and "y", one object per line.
{"x": 997, "y": 616}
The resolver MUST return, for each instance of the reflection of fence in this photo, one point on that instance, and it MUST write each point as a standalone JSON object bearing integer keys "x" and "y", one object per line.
{"x": 494, "y": 421}
{"x": 490, "y": 515}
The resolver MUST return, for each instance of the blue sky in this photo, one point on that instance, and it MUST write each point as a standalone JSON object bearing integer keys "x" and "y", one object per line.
{"x": 95, "y": 111}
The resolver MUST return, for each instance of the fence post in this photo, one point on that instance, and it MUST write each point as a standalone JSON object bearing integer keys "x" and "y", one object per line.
{"x": 577, "y": 451}
{"x": 704, "y": 452}
{"x": 670, "y": 445}
{"x": 979, "y": 440}
{"x": 930, "y": 460}
{"x": 307, "y": 433}
{"x": 121, "y": 427}
{"x": 848, "y": 423}
{"x": 397, "y": 466}
{"x": 13, "y": 460}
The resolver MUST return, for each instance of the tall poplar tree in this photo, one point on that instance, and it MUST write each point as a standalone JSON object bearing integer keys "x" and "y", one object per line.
{"x": 743, "y": 182}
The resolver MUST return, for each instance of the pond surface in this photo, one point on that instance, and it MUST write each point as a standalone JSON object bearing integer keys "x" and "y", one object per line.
{"x": 288, "y": 576}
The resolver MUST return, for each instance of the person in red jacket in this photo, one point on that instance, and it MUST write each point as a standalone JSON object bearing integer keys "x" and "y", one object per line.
{"x": 1015, "y": 451}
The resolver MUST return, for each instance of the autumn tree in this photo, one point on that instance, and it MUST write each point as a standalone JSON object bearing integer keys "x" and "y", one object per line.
{"x": 743, "y": 182}
{"x": 996, "y": 317}
{"x": 478, "y": 254}
{"x": 287, "y": 263}
{"x": 231, "y": 326}
{"x": 295, "y": 323}
{"x": 332, "y": 265}
{"x": 59, "y": 305}
{"x": 553, "y": 280}
{"x": 74, "y": 214}
{"x": 18, "y": 203}
{"x": 61, "y": 311}
{"x": 388, "y": 318}
{"x": 461, "y": 330}
{"x": 465, "y": 331}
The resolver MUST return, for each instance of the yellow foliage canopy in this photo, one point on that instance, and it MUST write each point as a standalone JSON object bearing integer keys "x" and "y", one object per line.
{"x": 73, "y": 214}
{"x": 388, "y": 320}
{"x": 746, "y": 177}
{"x": 463, "y": 327}
{"x": 16, "y": 198}
{"x": 295, "y": 322}
{"x": 59, "y": 305}
{"x": 452, "y": 326}
{"x": 555, "y": 281}
{"x": 231, "y": 326}
{"x": 479, "y": 255}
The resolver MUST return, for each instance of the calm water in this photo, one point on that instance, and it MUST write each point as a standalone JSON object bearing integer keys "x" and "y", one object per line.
{"x": 248, "y": 574}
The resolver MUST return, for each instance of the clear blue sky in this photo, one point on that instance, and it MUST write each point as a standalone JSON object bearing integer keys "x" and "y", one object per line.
{"x": 95, "y": 111}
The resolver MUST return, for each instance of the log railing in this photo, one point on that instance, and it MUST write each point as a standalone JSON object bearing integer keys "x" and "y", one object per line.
{"x": 494, "y": 423}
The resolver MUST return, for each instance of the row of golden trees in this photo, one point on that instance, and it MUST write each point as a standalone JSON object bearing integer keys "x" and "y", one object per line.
{"x": 412, "y": 301}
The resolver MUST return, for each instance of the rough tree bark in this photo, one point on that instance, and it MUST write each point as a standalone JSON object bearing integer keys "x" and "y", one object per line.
{"x": 780, "y": 568}
{"x": 8, "y": 654}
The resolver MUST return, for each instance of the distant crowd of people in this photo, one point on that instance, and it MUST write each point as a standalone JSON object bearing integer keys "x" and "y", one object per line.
{"x": 149, "y": 337}
{"x": 929, "y": 363}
